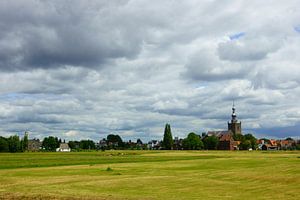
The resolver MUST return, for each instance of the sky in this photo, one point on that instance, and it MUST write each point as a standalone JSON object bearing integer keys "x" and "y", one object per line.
{"x": 86, "y": 69}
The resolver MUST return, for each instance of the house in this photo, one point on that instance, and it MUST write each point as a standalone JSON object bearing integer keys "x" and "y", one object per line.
{"x": 269, "y": 147}
{"x": 34, "y": 145}
{"x": 177, "y": 145}
{"x": 286, "y": 144}
{"x": 63, "y": 147}
{"x": 260, "y": 143}
{"x": 102, "y": 144}
{"x": 154, "y": 144}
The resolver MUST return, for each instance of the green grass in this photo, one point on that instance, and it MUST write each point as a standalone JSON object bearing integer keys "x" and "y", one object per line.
{"x": 150, "y": 175}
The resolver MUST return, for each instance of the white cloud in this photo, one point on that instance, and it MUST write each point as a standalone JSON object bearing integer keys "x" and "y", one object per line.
{"x": 71, "y": 133}
{"x": 87, "y": 69}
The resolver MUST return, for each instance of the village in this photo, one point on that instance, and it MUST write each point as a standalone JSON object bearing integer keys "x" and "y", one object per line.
{"x": 230, "y": 139}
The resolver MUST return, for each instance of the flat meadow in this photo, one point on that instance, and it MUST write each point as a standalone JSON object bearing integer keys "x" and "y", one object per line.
{"x": 151, "y": 175}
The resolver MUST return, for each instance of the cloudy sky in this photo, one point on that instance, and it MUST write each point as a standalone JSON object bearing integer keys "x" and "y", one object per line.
{"x": 85, "y": 69}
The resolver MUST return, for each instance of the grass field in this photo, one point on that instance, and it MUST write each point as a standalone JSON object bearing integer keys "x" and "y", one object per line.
{"x": 150, "y": 175}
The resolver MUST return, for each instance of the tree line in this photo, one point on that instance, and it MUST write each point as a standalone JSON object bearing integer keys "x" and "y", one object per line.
{"x": 14, "y": 143}
{"x": 193, "y": 141}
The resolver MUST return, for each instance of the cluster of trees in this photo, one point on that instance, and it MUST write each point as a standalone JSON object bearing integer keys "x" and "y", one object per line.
{"x": 82, "y": 145}
{"x": 191, "y": 142}
{"x": 111, "y": 142}
{"x": 14, "y": 143}
{"x": 197, "y": 142}
{"x": 51, "y": 143}
{"x": 247, "y": 141}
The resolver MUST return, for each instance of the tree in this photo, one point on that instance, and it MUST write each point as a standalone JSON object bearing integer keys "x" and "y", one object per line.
{"x": 87, "y": 144}
{"x": 245, "y": 145}
{"x": 14, "y": 144}
{"x": 3, "y": 144}
{"x": 74, "y": 144}
{"x": 192, "y": 142}
{"x": 252, "y": 140}
{"x": 25, "y": 141}
{"x": 114, "y": 141}
{"x": 211, "y": 142}
{"x": 168, "y": 139}
{"x": 50, "y": 143}
{"x": 238, "y": 137}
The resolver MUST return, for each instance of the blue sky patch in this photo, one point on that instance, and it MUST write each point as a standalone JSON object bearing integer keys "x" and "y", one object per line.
{"x": 237, "y": 36}
{"x": 297, "y": 28}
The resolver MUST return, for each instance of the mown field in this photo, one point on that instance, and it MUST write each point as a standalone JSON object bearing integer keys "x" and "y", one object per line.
{"x": 150, "y": 175}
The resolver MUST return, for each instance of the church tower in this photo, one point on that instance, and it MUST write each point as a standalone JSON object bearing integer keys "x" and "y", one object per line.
{"x": 234, "y": 126}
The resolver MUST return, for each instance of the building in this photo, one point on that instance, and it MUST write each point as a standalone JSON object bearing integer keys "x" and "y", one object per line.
{"x": 267, "y": 145}
{"x": 34, "y": 145}
{"x": 287, "y": 144}
{"x": 226, "y": 141}
{"x": 154, "y": 144}
{"x": 234, "y": 126}
{"x": 226, "y": 138}
{"x": 102, "y": 144}
{"x": 177, "y": 145}
{"x": 63, "y": 147}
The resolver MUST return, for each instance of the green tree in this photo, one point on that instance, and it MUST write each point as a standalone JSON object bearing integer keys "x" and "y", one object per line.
{"x": 74, "y": 144}
{"x": 238, "y": 137}
{"x": 14, "y": 144}
{"x": 114, "y": 141}
{"x": 245, "y": 145}
{"x": 168, "y": 139}
{"x": 25, "y": 141}
{"x": 50, "y": 143}
{"x": 192, "y": 142}
{"x": 252, "y": 140}
{"x": 87, "y": 144}
{"x": 3, "y": 144}
{"x": 211, "y": 142}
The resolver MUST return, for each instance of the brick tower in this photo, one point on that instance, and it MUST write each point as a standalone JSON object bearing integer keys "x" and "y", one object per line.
{"x": 234, "y": 125}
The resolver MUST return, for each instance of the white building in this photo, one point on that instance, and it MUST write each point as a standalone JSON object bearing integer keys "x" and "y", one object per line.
{"x": 63, "y": 147}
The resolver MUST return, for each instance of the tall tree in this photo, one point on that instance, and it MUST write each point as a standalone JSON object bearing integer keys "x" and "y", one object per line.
{"x": 25, "y": 141}
{"x": 168, "y": 139}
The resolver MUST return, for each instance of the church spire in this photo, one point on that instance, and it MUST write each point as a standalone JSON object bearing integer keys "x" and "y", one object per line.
{"x": 233, "y": 115}
{"x": 234, "y": 126}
